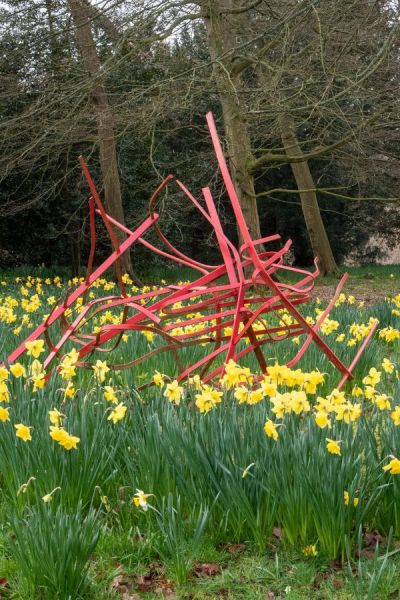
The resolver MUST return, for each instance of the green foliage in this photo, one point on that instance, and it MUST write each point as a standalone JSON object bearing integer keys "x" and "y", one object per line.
{"x": 215, "y": 483}
{"x": 177, "y": 546}
{"x": 52, "y": 549}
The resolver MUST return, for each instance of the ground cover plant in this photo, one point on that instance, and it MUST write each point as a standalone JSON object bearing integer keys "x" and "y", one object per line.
{"x": 279, "y": 487}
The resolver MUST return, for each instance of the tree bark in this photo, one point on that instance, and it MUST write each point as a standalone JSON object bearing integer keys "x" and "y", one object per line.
{"x": 309, "y": 202}
{"x": 221, "y": 38}
{"x": 105, "y": 121}
{"x": 75, "y": 253}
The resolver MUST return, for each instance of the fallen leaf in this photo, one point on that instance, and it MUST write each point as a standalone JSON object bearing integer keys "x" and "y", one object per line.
{"x": 157, "y": 583}
{"x": 277, "y": 532}
{"x": 166, "y": 592}
{"x": 366, "y": 553}
{"x": 206, "y": 569}
{"x": 270, "y": 596}
{"x": 338, "y": 583}
{"x": 273, "y": 547}
{"x": 372, "y": 538}
{"x": 319, "y": 578}
{"x": 235, "y": 548}
{"x": 121, "y": 584}
{"x": 144, "y": 583}
{"x": 130, "y": 597}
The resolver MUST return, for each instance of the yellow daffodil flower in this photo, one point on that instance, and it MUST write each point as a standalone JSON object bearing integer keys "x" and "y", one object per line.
{"x": 118, "y": 413}
{"x": 271, "y": 430}
{"x": 333, "y": 446}
{"x": 393, "y": 467}
{"x": 23, "y": 432}
{"x": 35, "y": 348}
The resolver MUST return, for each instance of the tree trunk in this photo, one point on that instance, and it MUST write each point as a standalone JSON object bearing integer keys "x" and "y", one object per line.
{"x": 75, "y": 253}
{"x": 221, "y": 37}
{"x": 105, "y": 121}
{"x": 309, "y": 202}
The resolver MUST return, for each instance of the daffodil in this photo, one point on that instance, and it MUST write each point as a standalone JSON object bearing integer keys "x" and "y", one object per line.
{"x": 235, "y": 375}
{"x": 255, "y": 397}
{"x": 100, "y": 369}
{"x": 333, "y": 446}
{"x": 271, "y": 430}
{"x": 23, "y": 488}
{"x": 389, "y": 334}
{"x": 310, "y": 550}
{"x": 23, "y": 432}
{"x": 69, "y": 391}
{"x": 69, "y": 442}
{"x": 347, "y": 412}
{"x": 4, "y": 392}
{"x": 3, "y": 373}
{"x": 67, "y": 370}
{"x": 158, "y": 379}
{"x": 35, "y": 348}
{"x": 356, "y": 391}
{"x": 298, "y": 402}
{"x": 247, "y": 470}
{"x": 118, "y": 413}
{"x": 36, "y": 368}
{"x": 268, "y": 387}
{"x": 140, "y": 500}
{"x": 242, "y": 394}
{"x": 38, "y": 382}
{"x": 62, "y": 437}
{"x": 55, "y": 417}
{"x": 373, "y": 377}
{"x": 395, "y": 415}
{"x": 196, "y": 382}
{"x": 207, "y": 399}
{"x": 393, "y": 467}
{"x": 4, "y": 414}
{"x": 18, "y": 370}
{"x": 387, "y": 366}
{"x": 49, "y": 497}
{"x": 346, "y": 499}
{"x": 369, "y": 392}
{"x": 149, "y": 335}
{"x": 109, "y": 394}
{"x": 174, "y": 392}
{"x": 57, "y": 433}
{"x": 382, "y": 402}
{"x": 322, "y": 419}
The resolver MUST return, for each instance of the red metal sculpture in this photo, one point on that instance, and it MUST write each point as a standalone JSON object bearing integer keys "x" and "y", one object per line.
{"x": 236, "y": 298}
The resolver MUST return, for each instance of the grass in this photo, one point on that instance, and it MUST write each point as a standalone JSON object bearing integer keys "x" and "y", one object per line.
{"x": 119, "y": 564}
{"x": 233, "y": 511}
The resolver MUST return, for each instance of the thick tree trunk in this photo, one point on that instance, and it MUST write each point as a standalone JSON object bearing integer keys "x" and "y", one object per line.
{"x": 221, "y": 36}
{"x": 105, "y": 121}
{"x": 309, "y": 202}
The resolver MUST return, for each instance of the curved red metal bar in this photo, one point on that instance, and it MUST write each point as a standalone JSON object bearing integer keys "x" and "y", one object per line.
{"x": 236, "y": 294}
